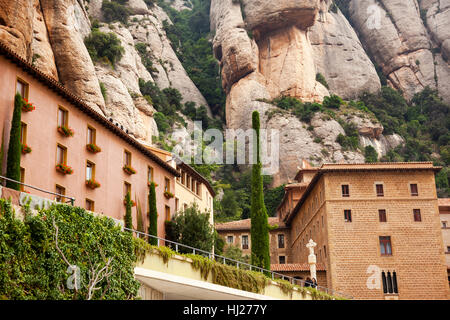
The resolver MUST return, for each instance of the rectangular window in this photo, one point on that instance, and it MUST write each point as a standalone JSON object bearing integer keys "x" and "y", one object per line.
{"x": 166, "y": 185}
{"x": 348, "y": 215}
{"x": 380, "y": 190}
{"x": 177, "y": 203}
{"x": 281, "y": 241}
{"x": 417, "y": 216}
{"x": 127, "y": 158}
{"x": 90, "y": 170}
{"x": 244, "y": 242}
{"x": 282, "y": 259}
{"x": 61, "y": 154}
{"x": 385, "y": 246}
{"x": 22, "y": 178}
{"x": 183, "y": 177}
{"x": 382, "y": 215}
{"x": 63, "y": 117}
{"x": 345, "y": 190}
{"x": 193, "y": 185}
{"x": 197, "y": 190}
{"x": 22, "y": 88}
{"x": 448, "y": 249}
{"x": 325, "y": 251}
{"x": 444, "y": 224}
{"x": 168, "y": 213}
{"x": 23, "y": 133}
{"x": 91, "y": 135}
{"x": 126, "y": 188}
{"x": 230, "y": 239}
{"x": 89, "y": 205}
{"x": 61, "y": 191}
{"x": 150, "y": 174}
{"x": 414, "y": 190}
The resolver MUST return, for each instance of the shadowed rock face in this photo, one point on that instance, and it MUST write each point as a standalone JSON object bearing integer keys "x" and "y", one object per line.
{"x": 265, "y": 16}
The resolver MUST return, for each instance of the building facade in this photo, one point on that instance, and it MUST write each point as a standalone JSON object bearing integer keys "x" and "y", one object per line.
{"x": 190, "y": 186}
{"x": 237, "y": 233}
{"x": 444, "y": 214}
{"x": 123, "y": 164}
{"x": 376, "y": 227}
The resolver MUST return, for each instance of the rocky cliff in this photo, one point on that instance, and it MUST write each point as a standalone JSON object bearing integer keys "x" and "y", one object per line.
{"x": 269, "y": 49}
{"x": 265, "y": 49}
{"x": 51, "y": 33}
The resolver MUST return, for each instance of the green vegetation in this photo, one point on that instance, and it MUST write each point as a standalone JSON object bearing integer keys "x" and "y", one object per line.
{"x": 37, "y": 251}
{"x": 258, "y": 213}
{"x": 128, "y": 217}
{"x": 272, "y": 199}
{"x": 115, "y": 10}
{"x": 349, "y": 141}
{"x": 141, "y": 48}
{"x": 424, "y": 123}
{"x": 15, "y": 147}
{"x": 189, "y": 36}
{"x": 102, "y": 89}
{"x": 370, "y": 154}
{"x": 192, "y": 228}
{"x": 229, "y": 275}
{"x": 333, "y": 102}
{"x": 167, "y": 102}
{"x": 320, "y": 78}
{"x": 105, "y": 47}
{"x": 153, "y": 215}
{"x": 235, "y": 253}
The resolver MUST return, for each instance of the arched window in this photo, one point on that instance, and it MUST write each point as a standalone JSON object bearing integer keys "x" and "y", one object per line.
{"x": 389, "y": 282}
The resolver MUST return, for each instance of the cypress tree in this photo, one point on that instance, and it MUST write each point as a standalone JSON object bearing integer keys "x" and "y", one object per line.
{"x": 153, "y": 215}
{"x": 15, "y": 147}
{"x": 258, "y": 212}
{"x": 128, "y": 217}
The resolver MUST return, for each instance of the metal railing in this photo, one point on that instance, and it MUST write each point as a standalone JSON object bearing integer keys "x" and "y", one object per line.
{"x": 239, "y": 264}
{"x": 71, "y": 199}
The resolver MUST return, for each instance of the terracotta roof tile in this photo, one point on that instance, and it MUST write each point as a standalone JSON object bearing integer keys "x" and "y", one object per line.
{"x": 444, "y": 202}
{"x": 295, "y": 267}
{"x": 245, "y": 224}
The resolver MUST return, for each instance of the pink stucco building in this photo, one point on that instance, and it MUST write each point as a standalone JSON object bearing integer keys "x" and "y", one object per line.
{"x": 56, "y": 106}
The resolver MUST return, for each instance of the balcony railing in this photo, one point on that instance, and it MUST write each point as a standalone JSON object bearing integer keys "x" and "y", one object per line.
{"x": 71, "y": 200}
{"x": 238, "y": 264}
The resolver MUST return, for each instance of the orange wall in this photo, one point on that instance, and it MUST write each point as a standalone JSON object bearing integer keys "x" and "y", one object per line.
{"x": 42, "y": 137}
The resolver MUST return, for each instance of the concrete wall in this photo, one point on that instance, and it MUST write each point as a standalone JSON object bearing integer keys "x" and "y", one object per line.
{"x": 42, "y": 137}
{"x": 181, "y": 267}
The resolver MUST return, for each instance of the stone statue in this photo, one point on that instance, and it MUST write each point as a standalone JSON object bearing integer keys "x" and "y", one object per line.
{"x": 312, "y": 258}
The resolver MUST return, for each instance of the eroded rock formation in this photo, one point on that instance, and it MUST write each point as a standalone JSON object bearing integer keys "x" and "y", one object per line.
{"x": 407, "y": 41}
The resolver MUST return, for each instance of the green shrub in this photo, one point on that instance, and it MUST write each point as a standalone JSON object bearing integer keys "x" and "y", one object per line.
{"x": 333, "y": 102}
{"x": 153, "y": 215}
{"x": 104, "y": 46}
{"x": 15, "y": 147}
{"x": 320, "y": 78}
{"x": 258, "y": 213}
{"x": 115, "y": 10}
{"x": 370, "y": 154}
{"x": 33, "y": 267}
{"x": 141, "y": 48}
{"x": 128, "y": 216}
{"x": 161, "y": 122}
{"x": 102, "y": 89}
{"x": 192, "y": 228}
